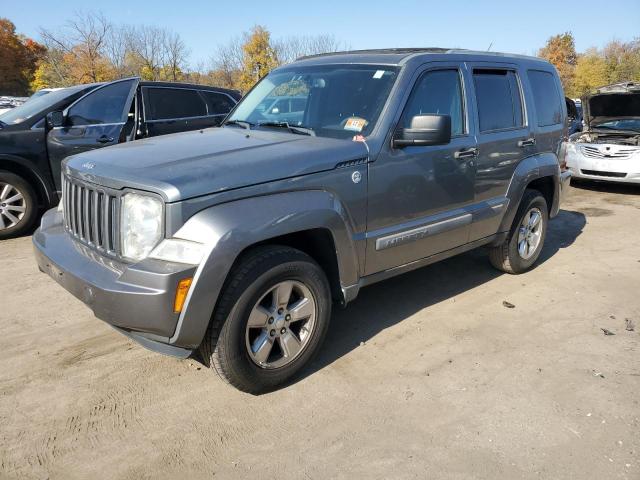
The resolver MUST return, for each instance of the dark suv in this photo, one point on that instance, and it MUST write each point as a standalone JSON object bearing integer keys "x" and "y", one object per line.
{"x": 236, "y": 241}
{"x": 36, "y": 136}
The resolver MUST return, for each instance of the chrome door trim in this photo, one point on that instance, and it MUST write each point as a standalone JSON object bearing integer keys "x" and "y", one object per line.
{"x": 418, "y": 233}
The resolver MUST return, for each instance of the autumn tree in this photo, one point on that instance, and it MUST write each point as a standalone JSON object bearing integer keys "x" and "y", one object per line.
{"x": 18, "y": 58}
{"x": 259, "y": 57}
{"x": 591, "y": 72}
{"x": 560, "y": 50}
{"x": 79, "y": 48}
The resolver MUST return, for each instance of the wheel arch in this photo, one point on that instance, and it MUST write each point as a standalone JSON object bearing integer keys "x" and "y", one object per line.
{"x": 541, "y": 172}
{"x": 314, "y": 222}
{"x": 21, "y": 167}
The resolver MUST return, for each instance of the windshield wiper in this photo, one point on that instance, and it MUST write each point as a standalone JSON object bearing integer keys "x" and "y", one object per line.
{"x": 242, "y": 123}
{"x": 292, "y": 128}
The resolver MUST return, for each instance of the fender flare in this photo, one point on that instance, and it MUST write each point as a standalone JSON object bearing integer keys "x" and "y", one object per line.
{"x": 230, "y": 228}
{"x": 528, "y": 170}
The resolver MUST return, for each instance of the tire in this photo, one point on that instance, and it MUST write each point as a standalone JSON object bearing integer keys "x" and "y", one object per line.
{"x": 250, "y": 293}
{"x": 507, "y": 257}
{"x": 17, "y": 215}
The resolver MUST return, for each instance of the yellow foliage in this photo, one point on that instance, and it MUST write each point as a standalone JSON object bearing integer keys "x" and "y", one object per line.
{"x": 591, "y": 72}
{"x": 259, "y": 57}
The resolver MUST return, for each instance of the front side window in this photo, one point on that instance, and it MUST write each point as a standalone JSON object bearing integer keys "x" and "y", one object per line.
{"x": 171, "y": 103}
{"x": 104, "y": 105}
{"x": 499, "y": 99}
{"x": 546, "y": 98}
{"x": 437, "y": 92}
{"x": 337, "y": 101}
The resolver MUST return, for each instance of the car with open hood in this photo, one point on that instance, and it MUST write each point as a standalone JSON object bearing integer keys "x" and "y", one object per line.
{"x": 608, "y": 148}
{"x": 332, "y": 173}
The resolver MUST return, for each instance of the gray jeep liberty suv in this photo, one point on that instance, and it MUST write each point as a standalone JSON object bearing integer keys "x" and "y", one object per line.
{"x": 235, "y": 241}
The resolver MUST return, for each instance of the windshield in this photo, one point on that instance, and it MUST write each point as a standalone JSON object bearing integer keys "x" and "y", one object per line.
{"x": 337, "y": 101}
{"x": 33, "y": 106}
{"x": 621, "y": 124}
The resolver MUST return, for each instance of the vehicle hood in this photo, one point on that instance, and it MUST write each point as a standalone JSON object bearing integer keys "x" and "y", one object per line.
{"x": 612, "y": 102}
{"x": 191, "y": 164}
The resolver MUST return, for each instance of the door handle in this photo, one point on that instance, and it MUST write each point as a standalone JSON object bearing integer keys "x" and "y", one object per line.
{"x": 526, "y": 143}
{"x": 104, "y": 139}
{"x": 466, "y": 153}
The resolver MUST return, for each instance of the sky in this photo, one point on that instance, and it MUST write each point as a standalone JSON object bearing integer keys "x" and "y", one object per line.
{"x": 508, "y": 26}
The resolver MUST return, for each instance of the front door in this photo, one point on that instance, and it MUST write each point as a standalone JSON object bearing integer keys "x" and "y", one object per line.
{"x": 419, "y": 196}
{"x": 99, "y": 119}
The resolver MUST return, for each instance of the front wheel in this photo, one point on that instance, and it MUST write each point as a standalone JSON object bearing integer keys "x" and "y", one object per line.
{"x": 270, "y": 319}
{"x": 18, "y": 205}
{"x": 526, "y": 238}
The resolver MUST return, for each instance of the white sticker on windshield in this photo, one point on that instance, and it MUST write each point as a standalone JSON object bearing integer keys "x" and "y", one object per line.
{"x": 378, "y": 74}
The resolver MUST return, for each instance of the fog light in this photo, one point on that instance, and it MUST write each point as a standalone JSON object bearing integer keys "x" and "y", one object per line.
{"x": 181, "y": 294}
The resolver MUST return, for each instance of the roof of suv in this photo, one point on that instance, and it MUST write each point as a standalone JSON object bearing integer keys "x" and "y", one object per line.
{"x": 399, "y": 56}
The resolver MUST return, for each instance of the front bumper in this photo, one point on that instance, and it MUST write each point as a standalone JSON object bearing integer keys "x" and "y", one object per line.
{"x": 622, "y": 170}
{"x": 138, "y": 300}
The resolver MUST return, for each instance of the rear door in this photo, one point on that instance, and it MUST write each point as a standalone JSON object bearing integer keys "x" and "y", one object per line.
{"x": 504, "y": 139}
{"x": 173, "y": 109}
{"x": 96, "y": 120}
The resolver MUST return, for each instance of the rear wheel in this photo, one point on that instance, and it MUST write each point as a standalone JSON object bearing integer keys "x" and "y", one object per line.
{"x": 526, "y": 238}
{"x": 18, "y": 205}
{"x": 270, "y": 320}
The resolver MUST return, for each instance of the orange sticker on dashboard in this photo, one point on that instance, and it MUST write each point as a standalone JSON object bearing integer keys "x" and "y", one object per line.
{"x": 355, "y": 124}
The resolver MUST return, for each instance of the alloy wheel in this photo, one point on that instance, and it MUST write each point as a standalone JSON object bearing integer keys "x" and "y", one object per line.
{"x": 530, "y": 233}
{"x": 280, "y": 325}
{"x": 12, "y": 206}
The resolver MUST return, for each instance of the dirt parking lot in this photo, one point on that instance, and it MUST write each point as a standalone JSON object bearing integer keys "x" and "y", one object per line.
{"x": 427, "y": 375}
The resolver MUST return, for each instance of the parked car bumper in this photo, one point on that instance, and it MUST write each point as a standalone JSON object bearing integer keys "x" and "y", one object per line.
{"x": 623, "y": 169}
{"x": 138, "y": 300}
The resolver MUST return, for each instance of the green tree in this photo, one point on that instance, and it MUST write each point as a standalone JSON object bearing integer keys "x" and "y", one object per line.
{"x": 259, "y": 57}
{"x": 560, "y": 50}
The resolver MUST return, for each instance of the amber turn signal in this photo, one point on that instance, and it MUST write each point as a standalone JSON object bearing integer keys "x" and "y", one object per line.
{"x": 181, "y": 294}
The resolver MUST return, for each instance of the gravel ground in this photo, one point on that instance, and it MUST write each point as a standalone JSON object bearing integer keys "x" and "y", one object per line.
{"x": 427, "y": 375}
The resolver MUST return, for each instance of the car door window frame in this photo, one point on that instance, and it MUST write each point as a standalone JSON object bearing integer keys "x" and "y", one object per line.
{"x": 147, "y": 106}
{"x": 469, "y": 126}
{"x": 125, "y": 110}
{"x": 500, "y": 67}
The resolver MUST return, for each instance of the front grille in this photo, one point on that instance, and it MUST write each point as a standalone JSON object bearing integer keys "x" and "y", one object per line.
{"x": 604, "y": 174}
{"x": 614, "y": 153}
{"x": 91, "y": 215}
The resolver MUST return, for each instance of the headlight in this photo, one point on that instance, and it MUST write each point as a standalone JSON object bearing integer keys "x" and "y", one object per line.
{"x": 140, "y": 225}
{"x": 180, "y": 251}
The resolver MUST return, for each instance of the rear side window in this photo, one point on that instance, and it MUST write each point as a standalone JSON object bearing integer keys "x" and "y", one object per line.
{"x": 169, "y": 103}
{"x": 217, "y": 103}
{"x": 499, "y": 99}
{"x": 437, "y": 92}
{"x": 546, "y": 97}
{"x": 104, "y": 105}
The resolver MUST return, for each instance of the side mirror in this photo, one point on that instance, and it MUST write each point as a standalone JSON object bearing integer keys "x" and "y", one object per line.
{"x": 55, "y": 119}
{"x": 424, "y": 130}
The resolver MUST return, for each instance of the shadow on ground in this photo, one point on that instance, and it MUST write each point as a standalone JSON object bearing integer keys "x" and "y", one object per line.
{"x": 387, "y": 303}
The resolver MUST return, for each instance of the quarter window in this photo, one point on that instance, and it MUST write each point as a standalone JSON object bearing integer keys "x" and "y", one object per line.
{"x": 105, "y": 105}
{"x": 170, "y": 103}
{"x": 437, "y": 92}
{"x": 217, "y": 103}
{"x": 499, "y": 100}
{"x": 546, "y": 97}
